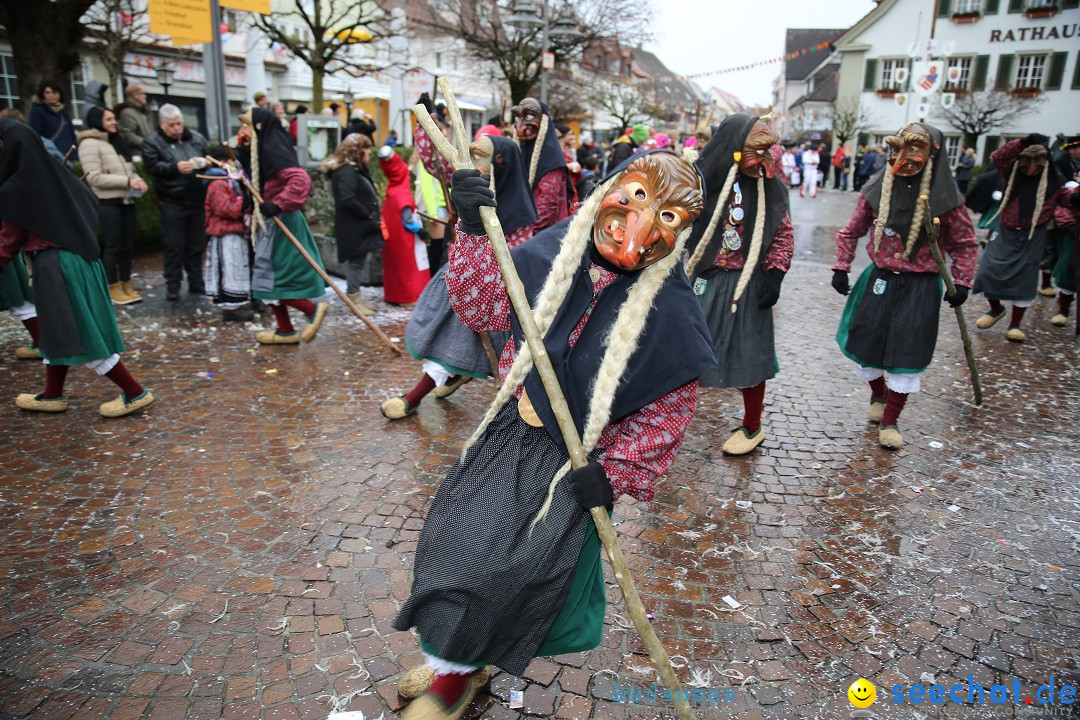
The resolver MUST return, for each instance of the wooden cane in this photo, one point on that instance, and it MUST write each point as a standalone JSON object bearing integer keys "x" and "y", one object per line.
{"x": 461, "y": 160}
{"x": 432, "y": 219}
{"x": 933, "y": 229}
{"x": 318, "y": 268}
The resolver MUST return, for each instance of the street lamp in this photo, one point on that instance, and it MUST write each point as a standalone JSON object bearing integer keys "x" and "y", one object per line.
{"x": 165, "y": 74}
{"x": 523, "y": 15}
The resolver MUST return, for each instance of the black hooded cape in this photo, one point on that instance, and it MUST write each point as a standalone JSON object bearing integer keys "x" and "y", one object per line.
{"x": 43, "y": 197}
{"x": 514, "y": 199}
{"x": 944, "y": 192}
{"x": 674, "y": 348}
{"x": 714, "y": 163}
{"x": 276, "y": 151}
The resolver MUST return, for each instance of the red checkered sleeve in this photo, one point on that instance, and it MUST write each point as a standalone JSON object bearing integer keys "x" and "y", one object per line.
{"x": 14, "y": 238}
{"x": 782, "y": 247}
{"x": 957, "y": 238}
{"x": 224, "y": 210}
{"x": 433, "y": 162}
{"x": 847, "y": 239}
{"x": 288, "y": 189}
{"x": 550, "y": 197}
{"x": 641, "y": 447}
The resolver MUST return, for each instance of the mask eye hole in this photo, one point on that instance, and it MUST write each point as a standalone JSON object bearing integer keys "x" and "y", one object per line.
{"x": 637, "y": 191}
{"x": 668, "y": 217}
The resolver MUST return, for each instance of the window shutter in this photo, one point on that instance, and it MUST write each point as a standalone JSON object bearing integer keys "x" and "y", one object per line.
{"x": 864, "y": 139}
{"x": 1016, "y": 6}
{"x": 870, "y": 80}
{"x": 982, "y": 67}
{"x": 1005, "y": 72}
{"x": 993, "y": 142}
{"x": 943, "y": 9}
{"x": 1076, "y": 74}
{"x": 1070, "y": 4}
{"x": 990, "y": 7}
{"x": 1057, "y": 70}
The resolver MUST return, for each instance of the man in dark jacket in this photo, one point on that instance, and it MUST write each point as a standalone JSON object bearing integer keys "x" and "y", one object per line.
{"x": 172, "y": 154}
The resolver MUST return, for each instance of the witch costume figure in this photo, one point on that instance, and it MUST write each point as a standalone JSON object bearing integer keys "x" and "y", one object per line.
{"x": 405, "y": 262}
{"x": 451, "y": 353}
{"x": 548, "y": 175}
{"x": 890, "y": 321}
{"x": 738, "y": 262}
{"x": 58, "y": 228}
{"x": 281, "y": 277}
{"x": 508, "y": 563}
{"x": 1009, "y": 269}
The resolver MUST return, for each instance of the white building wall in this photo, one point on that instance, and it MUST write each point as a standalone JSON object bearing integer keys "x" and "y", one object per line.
{"x": 993, "y": 35}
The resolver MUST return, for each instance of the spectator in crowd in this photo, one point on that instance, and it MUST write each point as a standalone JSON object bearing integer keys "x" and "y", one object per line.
{"x": 172, "y": 154}
{"x": 588, "y": 179}
{"x": 356, "y": 211}
{"x": 588, "y": 147}
{"x": 261, "y": 100}
{"x": 295, "y": 122}
{"x": 360, "y": 122}
{"x": 94, "y": 97}
{"x": 279, "y": 111}
{"x": 824, "y": 163}
{"x": 860, "y": 153}
{"x": 838, "y": 167}
{"x": 870, "y": 164}
{"x": 392, "y": 139}
{"x": 228, "y": 208}
{"x": 811, "y": 159}
{"x": 110, "y": 173}
{"x": 50, "y": 118}
{"x": 965, "y": 167}
{"x": 134, "y": 119}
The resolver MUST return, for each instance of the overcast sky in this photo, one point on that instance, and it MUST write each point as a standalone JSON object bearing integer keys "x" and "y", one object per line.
{"x": 695, "y": 36}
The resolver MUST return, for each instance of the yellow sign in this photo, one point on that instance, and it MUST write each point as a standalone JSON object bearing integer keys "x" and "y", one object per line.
{"x": 189, "y": 20}
{"x": 256, "y": 6}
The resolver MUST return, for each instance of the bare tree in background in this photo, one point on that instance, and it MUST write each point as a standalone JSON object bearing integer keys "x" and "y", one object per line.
{"x": 330, "y": 30}
{"x": 45, "y": 40}
{"x": 115, "y": 27}
{"x": 516, "y": 51}
{"x": 622, "y": 100}
{"x": 978, "y": 113}
{"x": 567, "y": 92}
{"x": 850, "y": 117}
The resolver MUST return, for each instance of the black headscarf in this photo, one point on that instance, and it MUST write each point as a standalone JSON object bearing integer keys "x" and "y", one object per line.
{"x": 513, "y": 198}
{"x": 276, "y": 151}
{"x": 714, "y": 163}
{"x": 41, "y": 196}
{"x": 551, "y": 154}
{"x": 1026, "y": 187}
{"x": 94, "y": 118}
{"x": 944, "y": 192}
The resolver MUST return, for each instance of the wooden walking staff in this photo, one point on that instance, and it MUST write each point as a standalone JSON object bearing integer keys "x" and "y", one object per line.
{"x": 933, "y": 228}
{"x": 461, "y": 160}
{"x": 311, "y": 261}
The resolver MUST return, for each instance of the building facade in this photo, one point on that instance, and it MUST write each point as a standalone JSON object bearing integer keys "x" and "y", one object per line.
{"x": 1027, "y": 48}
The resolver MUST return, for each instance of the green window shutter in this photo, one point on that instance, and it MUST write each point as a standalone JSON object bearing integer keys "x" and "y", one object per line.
{"x": 982, "y": 67}
{"x": 864, "y": 139}
{"x": 993, "y": 142}
{"x": 1016, "y": 6}
{"x": 1076, "y": 74}
{"x": 943, "y": 8}
{"x": 1057, "y": 70}
{"x": 1005, "y": 72}
{"x": 990, "y": 7}
{"x": 1070, "y": 4}
{"x": 870, "y": 80}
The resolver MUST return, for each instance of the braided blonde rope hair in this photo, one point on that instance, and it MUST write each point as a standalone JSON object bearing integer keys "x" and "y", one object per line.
{"x": 1040, "y": 196}
{"x": 534, "y": 161}
{"x": 714, "y": 220}
{"x": 755, "y": 247}
{"x": 920, "y": 210}
{"x": 884, "y": 205}
{"x": 256, "y": 213}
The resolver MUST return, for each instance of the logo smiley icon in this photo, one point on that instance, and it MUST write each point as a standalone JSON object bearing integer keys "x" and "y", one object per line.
{"x": 862, "y": 693}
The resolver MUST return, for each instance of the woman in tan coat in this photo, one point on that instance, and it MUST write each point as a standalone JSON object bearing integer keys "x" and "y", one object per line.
{"x": 111, "y": 174}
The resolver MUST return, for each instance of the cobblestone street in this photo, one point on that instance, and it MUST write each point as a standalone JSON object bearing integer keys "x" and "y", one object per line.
{"x": 240, "y": 550}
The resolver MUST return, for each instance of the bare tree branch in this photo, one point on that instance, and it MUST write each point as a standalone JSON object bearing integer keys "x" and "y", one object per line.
{"x": 114, "y": 28}
{"x": 623, "y": 101}
{"x": 849, "y": 117}
{"x": 978, "y": 113}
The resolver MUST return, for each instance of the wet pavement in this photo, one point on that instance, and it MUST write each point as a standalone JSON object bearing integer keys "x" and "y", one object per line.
{"x": 241, "y": 549}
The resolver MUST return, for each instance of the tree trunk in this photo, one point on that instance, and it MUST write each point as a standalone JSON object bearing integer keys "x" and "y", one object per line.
{"x": 971, "y": 139}
{"x": 45, "y": 39}
{"x": 317, "y": 88}
{"x": 519, "y": 88}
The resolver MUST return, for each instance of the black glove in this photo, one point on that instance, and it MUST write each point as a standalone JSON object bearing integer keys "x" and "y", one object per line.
{"x": 840, "y": 282}
{"x": 1035, "y": 139}
{"x": 470, "y": 191}
{"x": 1074, "y": 200}
{"x": 269, "y": 209}
{"x": 770, "y": 289}
{"x": 957, "y": 299}
{"x": 424, "y": 235}
{"x": 425, "y": 100}
{"x": 590, "y": 486}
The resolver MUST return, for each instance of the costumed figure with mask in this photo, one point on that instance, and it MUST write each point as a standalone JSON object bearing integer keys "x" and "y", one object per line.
{"x": 1066, "y": 214}
{"x": 451, "y": 353}
{"x": 281, "y": 277}
{"x": 508, "y": 566}
{"x": 890, "y": 321}
{"x": 1060, "y": 239}
{"x": 548, "y": 175}
{"x": 47, "y": 212}
{"x": 740, "y": 251}
{"x": 1009, "y": 268}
